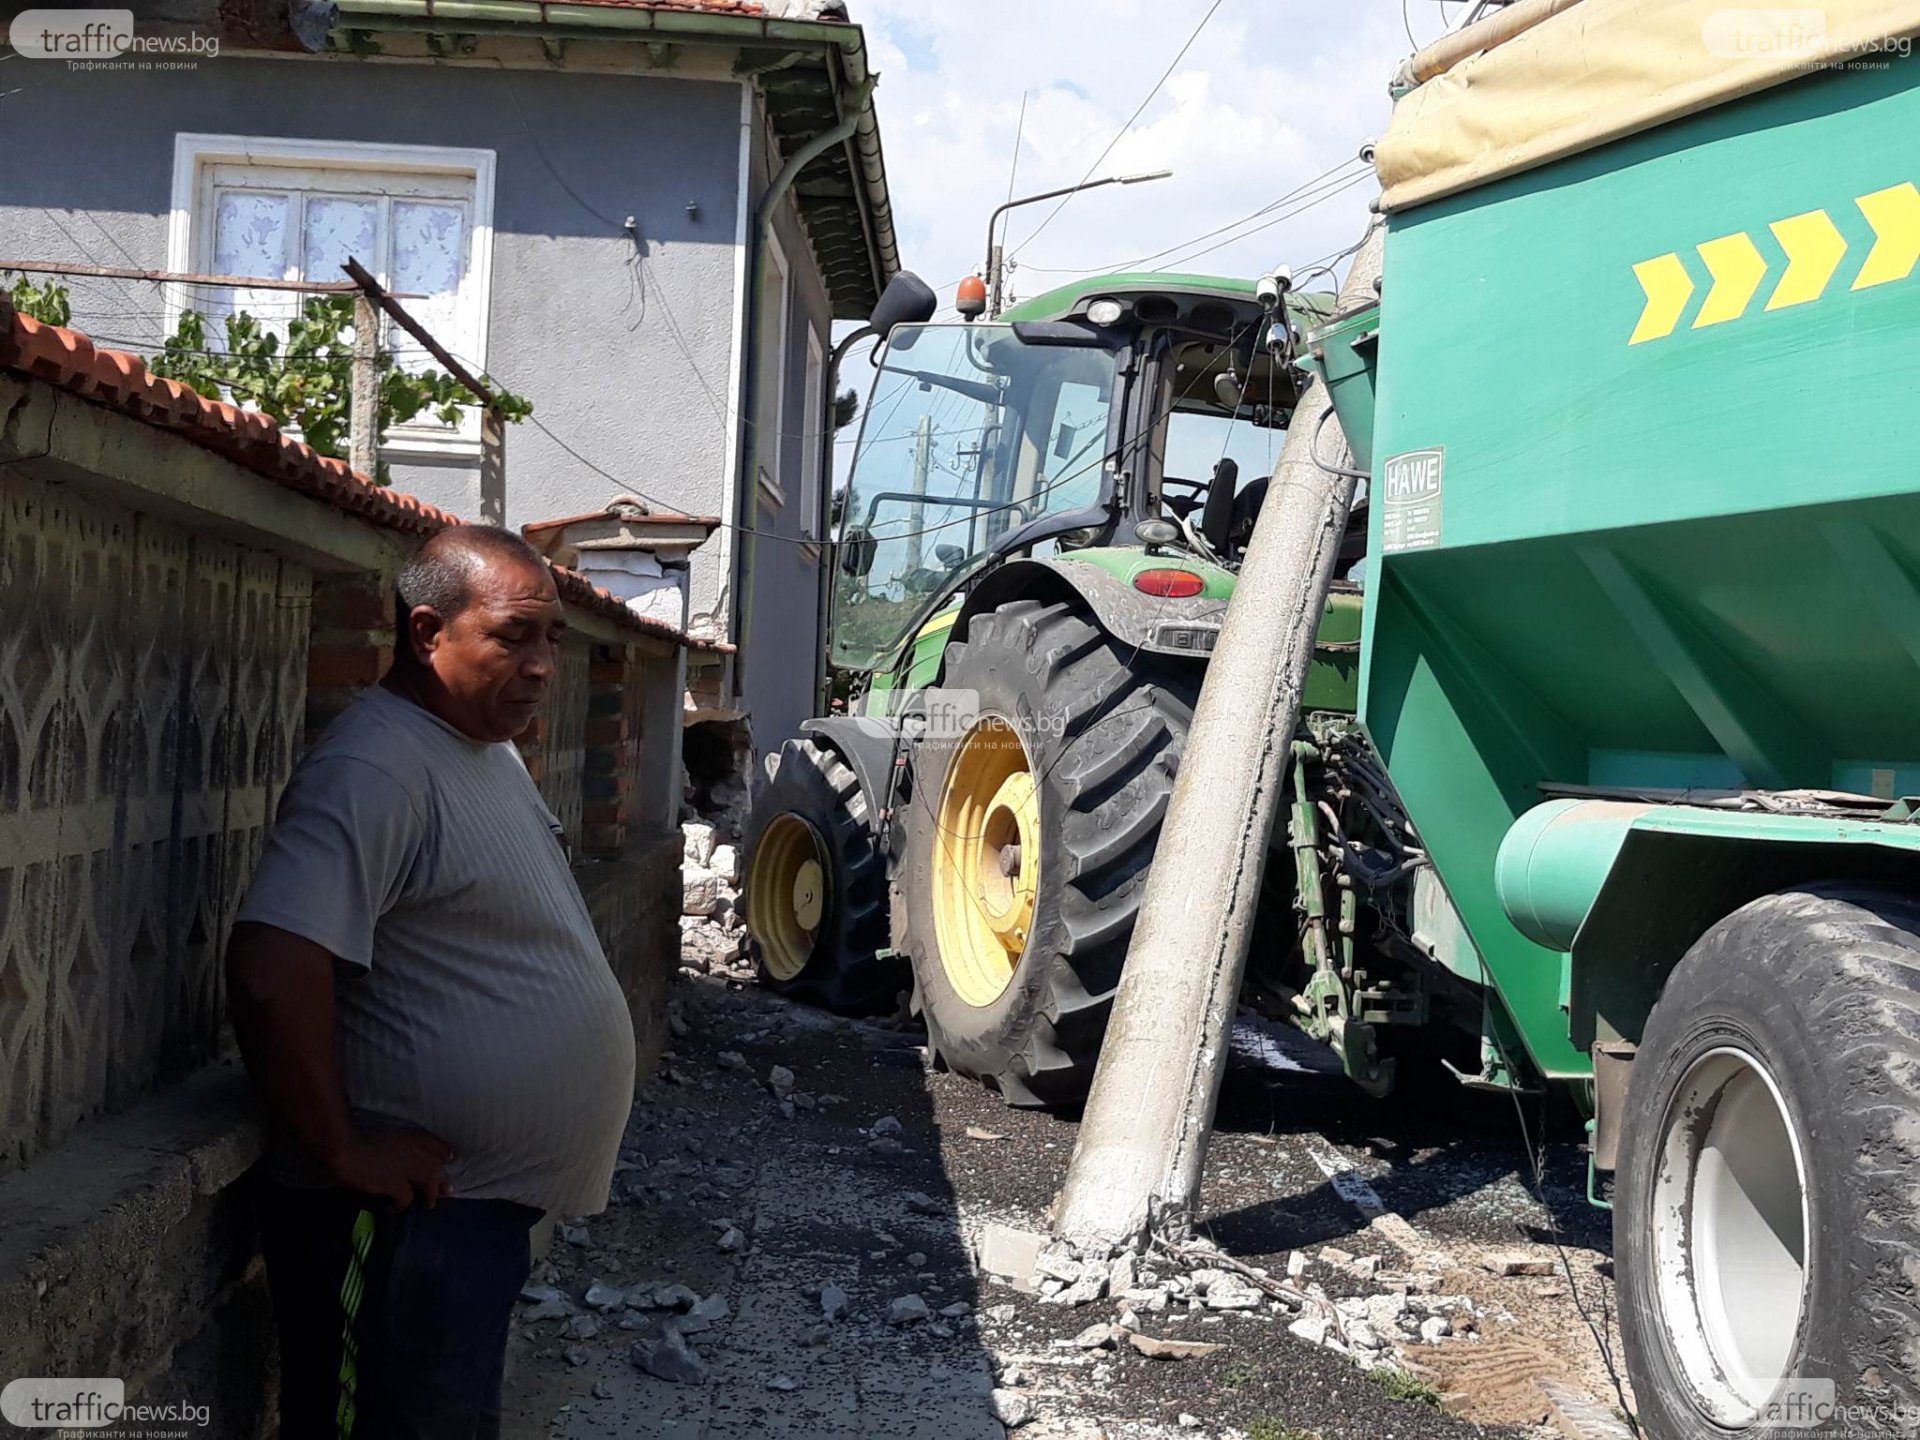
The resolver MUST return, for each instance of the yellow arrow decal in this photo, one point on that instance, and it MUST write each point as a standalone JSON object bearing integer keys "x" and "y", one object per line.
{"x": 1894, "y": 215}
{"x": 1814, "y": 247}
{"x": 1737, "y": 268}
{"x": 1668, "y": 288}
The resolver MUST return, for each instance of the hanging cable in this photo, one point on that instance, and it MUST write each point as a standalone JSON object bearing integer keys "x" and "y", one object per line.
{"x": 1067, "y": 199}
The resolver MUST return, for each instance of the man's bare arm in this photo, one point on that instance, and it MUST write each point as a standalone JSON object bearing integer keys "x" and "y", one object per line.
{"x": 280, "y": 989}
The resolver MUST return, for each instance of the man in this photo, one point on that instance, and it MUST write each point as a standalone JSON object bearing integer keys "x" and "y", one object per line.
{"x": 443, "y": 1051}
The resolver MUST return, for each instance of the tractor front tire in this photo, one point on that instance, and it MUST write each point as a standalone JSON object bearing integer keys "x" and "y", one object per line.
{"x": 1027, "y": 842}
{"x": 1767, "y": 1207}
{"x": 816, "y": 891}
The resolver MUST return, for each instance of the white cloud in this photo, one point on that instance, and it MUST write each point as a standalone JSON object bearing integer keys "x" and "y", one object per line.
{"x": 1273, "y": 94}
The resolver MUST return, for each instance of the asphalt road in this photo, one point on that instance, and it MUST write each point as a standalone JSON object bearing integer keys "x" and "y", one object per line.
{"x": 820, "y": 1196}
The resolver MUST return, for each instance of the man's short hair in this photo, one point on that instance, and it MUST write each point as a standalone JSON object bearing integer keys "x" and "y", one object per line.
{"x": 440, "y": 575}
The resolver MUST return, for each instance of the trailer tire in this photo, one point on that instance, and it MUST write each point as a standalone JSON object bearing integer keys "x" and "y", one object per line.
{"x": 814, "y": 812}
{"x": 1782, "y": 1062}
{"x": 1103, "y": 728}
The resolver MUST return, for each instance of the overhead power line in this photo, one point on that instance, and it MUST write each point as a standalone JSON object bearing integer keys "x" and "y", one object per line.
{"x": 1342, "y": 172}
{"x": 1067, "y": 199}
{"x": 1289, "y": 214}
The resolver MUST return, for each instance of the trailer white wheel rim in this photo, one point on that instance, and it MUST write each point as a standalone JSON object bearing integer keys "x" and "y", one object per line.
{"x": 1730, "y": 1233}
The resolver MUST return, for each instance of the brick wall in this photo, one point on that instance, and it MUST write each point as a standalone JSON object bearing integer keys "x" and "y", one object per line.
{"x": 635, "y": 903}
{"x": 174, "y": 631}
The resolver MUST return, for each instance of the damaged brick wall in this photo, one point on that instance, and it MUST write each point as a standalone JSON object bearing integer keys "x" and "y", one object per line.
{"x": 174, "y": 630}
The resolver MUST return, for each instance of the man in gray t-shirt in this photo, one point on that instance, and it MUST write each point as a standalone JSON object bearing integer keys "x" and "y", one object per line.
{"x": 421, "y": 1000}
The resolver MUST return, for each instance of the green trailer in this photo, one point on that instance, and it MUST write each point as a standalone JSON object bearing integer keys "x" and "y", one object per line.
{"x": 1642, "y": 648}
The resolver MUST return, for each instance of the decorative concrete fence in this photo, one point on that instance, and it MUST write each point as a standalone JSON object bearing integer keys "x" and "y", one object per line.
{"x": 186, "y": 597}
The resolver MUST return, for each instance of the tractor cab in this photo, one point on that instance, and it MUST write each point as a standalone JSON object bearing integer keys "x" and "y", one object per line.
{"x": 1056, "y": 429}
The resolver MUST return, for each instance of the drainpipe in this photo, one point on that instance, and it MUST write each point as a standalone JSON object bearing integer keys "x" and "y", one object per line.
{"x": 748, "y": 448}
{"x": 829, "y": 552}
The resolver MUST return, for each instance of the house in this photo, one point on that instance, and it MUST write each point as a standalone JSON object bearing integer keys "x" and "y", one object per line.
{"x": 641, "y": 215}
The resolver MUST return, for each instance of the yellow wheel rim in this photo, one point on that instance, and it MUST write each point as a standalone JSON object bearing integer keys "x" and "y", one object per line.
{"x": 787, "y": 894}
{"x": 986, "y": 871}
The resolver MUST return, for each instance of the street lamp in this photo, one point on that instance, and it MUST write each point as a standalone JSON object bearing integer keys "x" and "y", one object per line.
{"x": 993, "y": 221}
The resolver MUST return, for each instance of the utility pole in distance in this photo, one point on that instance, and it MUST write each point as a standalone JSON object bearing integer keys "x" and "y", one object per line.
{"x": 363, "y": 398}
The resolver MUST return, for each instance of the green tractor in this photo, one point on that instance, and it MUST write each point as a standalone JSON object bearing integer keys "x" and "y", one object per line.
{"x": 1038, "y": 541}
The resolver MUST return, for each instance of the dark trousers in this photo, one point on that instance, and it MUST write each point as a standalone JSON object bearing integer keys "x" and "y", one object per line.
{"x": 392, "y": 1327}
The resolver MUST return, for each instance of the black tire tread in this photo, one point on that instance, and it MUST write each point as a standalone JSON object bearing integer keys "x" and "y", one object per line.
{"x": 1114, "y": 797}
{"x": 846, "y": 974}
{"x": 1844, "y": 961}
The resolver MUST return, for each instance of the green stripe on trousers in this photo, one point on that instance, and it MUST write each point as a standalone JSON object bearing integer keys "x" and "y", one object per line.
{"x": 352, "y": 1286}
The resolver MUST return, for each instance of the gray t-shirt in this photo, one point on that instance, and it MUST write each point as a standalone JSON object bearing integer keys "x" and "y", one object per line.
{"x": 479, "y": 1005}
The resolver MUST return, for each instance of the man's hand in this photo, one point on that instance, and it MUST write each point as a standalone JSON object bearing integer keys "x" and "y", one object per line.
{"x": 402, "y": 1165}
{"x": 281, "y": 989}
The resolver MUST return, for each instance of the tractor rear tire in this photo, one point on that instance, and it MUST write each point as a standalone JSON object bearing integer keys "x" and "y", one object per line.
{"x": 816, "y": 891}
{"x": 1097, "y": 730}
{"x": 1766, "y": 1212}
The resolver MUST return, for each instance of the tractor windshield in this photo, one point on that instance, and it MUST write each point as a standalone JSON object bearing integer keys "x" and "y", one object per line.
{"x": 969, "y": 434}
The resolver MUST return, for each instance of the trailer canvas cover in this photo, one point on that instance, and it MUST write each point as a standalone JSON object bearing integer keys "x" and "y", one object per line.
{"x": 1601, "y": 69}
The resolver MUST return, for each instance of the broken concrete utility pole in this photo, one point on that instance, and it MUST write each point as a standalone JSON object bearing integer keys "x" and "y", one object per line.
{"x": 1143, "y": 1139}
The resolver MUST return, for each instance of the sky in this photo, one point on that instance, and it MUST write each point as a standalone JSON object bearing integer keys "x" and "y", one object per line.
{"x": 1273, "y": 99}
{"x": 1261, "y": 120}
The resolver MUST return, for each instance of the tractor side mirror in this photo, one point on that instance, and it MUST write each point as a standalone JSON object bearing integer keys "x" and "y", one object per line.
{"x": 856, "y": 553}
{"x": 907, "y": 300}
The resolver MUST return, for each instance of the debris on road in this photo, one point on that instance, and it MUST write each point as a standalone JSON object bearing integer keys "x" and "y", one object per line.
{"x": 1518, "y": 1265}
{"x": 670, "y": 1358}
{"x": 1157, "y": 1348}
{"x": 908, "y": 1310}
{"x": 1012, "y": 1254}
{"x": 917, "y": 1292}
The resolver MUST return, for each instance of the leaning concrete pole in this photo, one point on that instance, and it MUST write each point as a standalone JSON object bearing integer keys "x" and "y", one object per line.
{"x": 1143, "y": 1137}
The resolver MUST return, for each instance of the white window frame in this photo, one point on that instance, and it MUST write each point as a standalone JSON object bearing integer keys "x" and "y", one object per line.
{"x": 773, "y": 370}
{"x": 189, "y": 243}
{"x": 813, "y": 435}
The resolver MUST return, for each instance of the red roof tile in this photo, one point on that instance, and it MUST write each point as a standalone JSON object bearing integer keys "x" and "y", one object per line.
{"x": 122, "y": 382}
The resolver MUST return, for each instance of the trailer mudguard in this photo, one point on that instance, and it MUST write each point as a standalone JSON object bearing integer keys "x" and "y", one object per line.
{"x": 1629, "y": 886}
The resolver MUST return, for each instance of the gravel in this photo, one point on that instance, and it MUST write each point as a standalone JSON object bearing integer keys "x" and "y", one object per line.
{"x": 810, "y": 1189}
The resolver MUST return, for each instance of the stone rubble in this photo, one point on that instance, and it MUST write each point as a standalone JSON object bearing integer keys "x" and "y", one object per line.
{"x": 1194, "y": 1278}
{"x": 1011, "y": 1408}
{"x": 670, "y": 1358}
{"x": 603, "y": 1297}
{"x": 1155, "y": 1306}
{"x": 908, "y": 1310}
{"x": 713, "y": 938}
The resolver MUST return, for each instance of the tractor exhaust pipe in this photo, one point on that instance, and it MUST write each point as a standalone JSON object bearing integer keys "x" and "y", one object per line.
{"x": 1143, "y": 1139}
